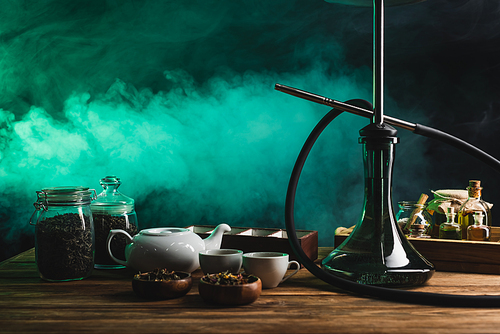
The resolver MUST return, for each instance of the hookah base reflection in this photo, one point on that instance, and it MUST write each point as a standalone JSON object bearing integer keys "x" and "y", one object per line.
{"x": 388, "y": 279}
{"x": 366, "y": 270}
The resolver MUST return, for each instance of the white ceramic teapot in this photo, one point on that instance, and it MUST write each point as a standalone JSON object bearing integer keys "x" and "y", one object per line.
{"x": 173, "y": 248}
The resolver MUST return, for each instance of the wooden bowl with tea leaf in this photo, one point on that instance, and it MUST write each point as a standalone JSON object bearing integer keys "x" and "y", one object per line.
{"x": 162, "y": 284}
{"x": 229, "y": 289}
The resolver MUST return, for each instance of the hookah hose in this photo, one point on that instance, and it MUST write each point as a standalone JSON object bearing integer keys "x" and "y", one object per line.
{"x": 390, "y": 294}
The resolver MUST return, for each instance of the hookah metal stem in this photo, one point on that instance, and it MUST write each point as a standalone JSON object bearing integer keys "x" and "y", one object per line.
{"x": 342, "y": 106}
{"x": 378, "y": 61}
{"x": 418, "y": 129}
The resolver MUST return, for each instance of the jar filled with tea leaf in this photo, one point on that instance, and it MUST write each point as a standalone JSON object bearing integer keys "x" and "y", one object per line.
{"x": 64, "y": 233}
{"x": 112, "y": 210}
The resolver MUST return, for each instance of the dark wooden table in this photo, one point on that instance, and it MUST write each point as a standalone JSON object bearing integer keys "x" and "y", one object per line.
{"x": 106, "y": 303}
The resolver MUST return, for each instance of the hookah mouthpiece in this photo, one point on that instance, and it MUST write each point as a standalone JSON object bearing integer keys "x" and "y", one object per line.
{"x": 342, "y": 106}
{"x": 418, "y": 129}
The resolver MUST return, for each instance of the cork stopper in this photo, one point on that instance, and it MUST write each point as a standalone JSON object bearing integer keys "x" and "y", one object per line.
{"x": 474, "y": 184}
{"x": 474, "y": 188}
{"x": 423, "y": 198}
{"x": 420, "y": 205}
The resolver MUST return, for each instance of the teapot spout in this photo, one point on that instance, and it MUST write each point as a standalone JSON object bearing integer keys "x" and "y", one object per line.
{"x": 214, "y": 240}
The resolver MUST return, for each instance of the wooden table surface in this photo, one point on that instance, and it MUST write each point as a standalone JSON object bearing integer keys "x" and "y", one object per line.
{"x": 105, "y": 302}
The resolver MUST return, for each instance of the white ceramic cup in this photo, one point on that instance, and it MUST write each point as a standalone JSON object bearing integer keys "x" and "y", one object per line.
{"x": 270, "y": 267}
{"x": 213, "y": 261}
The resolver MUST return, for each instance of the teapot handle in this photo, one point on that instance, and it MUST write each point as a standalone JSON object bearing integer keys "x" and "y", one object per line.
{"x": 111, "y": 234}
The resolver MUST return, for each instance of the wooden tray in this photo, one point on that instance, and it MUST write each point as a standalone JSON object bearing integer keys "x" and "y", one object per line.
{"x": 253, "y": 239}
{"x": 457, "y": 255}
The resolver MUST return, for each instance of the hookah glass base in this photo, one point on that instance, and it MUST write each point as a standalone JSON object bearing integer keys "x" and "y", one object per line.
{"x": 377, "y": 252}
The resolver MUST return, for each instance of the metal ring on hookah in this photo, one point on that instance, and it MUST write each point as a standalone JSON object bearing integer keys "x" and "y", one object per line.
{"x": 425, "y": 298}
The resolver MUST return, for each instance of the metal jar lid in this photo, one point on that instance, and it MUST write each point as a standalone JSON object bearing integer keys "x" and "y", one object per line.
{"x": 64, "y": 196}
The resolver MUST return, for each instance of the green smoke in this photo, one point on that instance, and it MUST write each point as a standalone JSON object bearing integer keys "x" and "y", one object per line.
{"x": 176, "y": 98}
{"x": 222, "y": 151}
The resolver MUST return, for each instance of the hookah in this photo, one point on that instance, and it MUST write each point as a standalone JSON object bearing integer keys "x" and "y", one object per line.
{"x": 376, "y": 260}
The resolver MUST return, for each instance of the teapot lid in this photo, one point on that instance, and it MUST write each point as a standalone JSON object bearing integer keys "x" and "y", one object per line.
{"x": 164, "y": 231}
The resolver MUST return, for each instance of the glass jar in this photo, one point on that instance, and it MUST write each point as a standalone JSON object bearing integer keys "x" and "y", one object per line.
{"x": 64, "y": 233}
{"x": 414, "y": 220}
{"x": 112, "y": 210}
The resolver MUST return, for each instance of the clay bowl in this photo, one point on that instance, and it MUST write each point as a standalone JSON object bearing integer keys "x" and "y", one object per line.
{"x": 231, "y": 294}
{"x": 162, "y": 289}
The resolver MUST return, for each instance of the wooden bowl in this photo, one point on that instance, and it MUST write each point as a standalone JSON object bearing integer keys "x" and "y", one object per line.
{"x": 163, "y": 289}
{"x": 231, "y": 294}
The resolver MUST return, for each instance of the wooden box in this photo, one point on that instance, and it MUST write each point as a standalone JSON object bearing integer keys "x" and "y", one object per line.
{"x": 457, "y": 255}
{"x": 253, "y": 239}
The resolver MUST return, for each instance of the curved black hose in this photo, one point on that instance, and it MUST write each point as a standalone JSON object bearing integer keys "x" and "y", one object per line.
{"x": 458, "y": 143}
{"x": 362, "y": 289}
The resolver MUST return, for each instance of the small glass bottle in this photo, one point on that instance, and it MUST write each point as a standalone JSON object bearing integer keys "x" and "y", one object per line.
{"x": 479, "y": 231}
{"x": 413, "y": 219}
{"x": 473, "y": 204}
{"x": 112, "y": 210}
{"x": 450, "y": 229}
{"x": 64, "y": 233}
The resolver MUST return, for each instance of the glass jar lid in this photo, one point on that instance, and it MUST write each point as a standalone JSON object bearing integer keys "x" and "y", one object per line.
{"x": 65, "y": 196}
{"x": 110, "y": 200}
